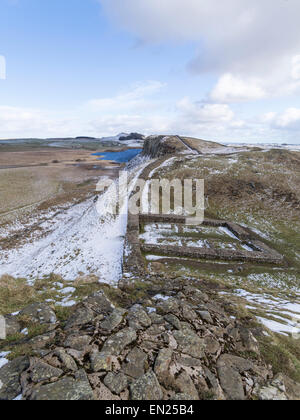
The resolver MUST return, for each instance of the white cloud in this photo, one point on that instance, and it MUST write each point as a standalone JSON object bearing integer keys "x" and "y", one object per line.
{"x": 26, "y": 122}
{"x": 134, "y": 98}
{"x": 296, "y": 67}
{"x": 16, "y": 119}
{"x": 253, "y": 47}
{"x": 130, "y": 110}
{"x": 232, "y": 88}
{"x": 108, "y": 116}
{"x": 287, "y": 120}
{"x": 239, "y": 36}
{"x": 213, "y": 121}
{"x": 135, "y": 109}
{"x": 139, "y": 108}
{"x": 268, "y": 117}
{"x": 208, "y": 113}
{"x": 149, "y": 115}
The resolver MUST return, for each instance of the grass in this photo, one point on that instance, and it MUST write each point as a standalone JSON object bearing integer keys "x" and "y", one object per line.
{"x": 283, "y": 353}
{"x": 19, "y": 350}
{"x": 20, "y": 187}
{"x": 85, "y": 290}
{"x": 63, "y": 313}
{"x": 15, "y": 294}
{"x": 17, "y": 344}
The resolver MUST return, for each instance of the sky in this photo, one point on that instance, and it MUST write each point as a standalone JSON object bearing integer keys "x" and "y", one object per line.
{"x": 225, "y": 70}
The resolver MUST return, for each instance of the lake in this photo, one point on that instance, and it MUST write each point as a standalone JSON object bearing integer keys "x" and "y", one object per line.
{"x": 120, "y": 157}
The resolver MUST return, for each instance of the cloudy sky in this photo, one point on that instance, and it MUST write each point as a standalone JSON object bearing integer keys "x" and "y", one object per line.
{"x": 222, "y": 70}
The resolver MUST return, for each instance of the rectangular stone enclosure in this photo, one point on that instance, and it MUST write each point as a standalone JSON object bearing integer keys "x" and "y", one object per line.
{"x": 214, "y": 240}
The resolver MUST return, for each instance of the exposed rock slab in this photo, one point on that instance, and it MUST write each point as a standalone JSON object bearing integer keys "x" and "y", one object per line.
{"x": 40, "y": 313}
{"x": 66, "y": 389}
{"x": 117, "y": 342}
{"x": 146, "y": 388}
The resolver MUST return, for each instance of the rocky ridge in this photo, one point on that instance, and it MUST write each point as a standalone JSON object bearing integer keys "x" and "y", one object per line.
{"x": 178, "y": 342}
{"x": 158, "y": 146}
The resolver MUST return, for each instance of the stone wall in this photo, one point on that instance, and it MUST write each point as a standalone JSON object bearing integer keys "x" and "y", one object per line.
{"x": 134, "y": 261}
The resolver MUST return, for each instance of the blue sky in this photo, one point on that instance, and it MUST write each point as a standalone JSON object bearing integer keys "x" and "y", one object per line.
{"x": 98, "y": 67}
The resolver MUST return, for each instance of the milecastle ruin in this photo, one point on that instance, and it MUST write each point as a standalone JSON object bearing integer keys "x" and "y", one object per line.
{"x": 238, "y": 244}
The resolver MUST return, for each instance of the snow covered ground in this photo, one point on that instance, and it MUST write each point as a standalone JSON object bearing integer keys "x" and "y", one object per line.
{"x": 267, "y": 146}
{"x": 82, "y": 239}
{"x": 3, "y": 360}
{"x": 281, "y": 315}
{"x": 79, "y": 242}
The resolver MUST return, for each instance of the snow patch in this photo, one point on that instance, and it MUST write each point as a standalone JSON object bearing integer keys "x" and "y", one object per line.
{"x": 3, "y": 360}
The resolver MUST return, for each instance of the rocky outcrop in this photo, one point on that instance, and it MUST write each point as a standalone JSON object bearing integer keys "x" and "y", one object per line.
{"x": 180, "y": 344}
{"x": 157, "y": 146}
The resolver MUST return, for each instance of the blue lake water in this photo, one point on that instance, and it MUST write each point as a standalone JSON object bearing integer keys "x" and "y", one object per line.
{"x": 120, "y": 157}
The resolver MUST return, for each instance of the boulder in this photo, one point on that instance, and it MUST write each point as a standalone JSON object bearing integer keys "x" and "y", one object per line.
{"x": 170, "y": 306}
{"x": 116, "y": 382}
{"x": 135, "y": 363}
{"x": 138, "y": 318}
{"x": 185, "y": 385}
{"x": 99, "y": 303}
{"x": 101, "y": 362}
{"x": 77, "y": 342}
{"x": 189, "y": 343}
{"x": 41, "y": 341}
{"x": 231, "y": 383}
{"x": 213, "y": 384}
{"x": 162, "y": 364}
{"x": 66, "y": 389}
{"x": 82, "y": 315}
{"x": 155, "y": 318}
{"x": 116, "y": 343}
{"x": 146, "y": 388}
{"x": 67, "y": 361}
{"x": 205, "y": 316}
{"x": 41, "y": 372}
{"x": 238, "y": 363}
{"x": 195, "y": 295}
{"x": 173, "y": 320}
{"x": 10, "y": 386}
{"x": 39, "y": 313}
{"x": 229, "y": 369}
{"x": 113, "y": 320}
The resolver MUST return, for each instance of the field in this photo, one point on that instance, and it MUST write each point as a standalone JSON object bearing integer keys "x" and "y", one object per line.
{"x": 33, "y": 177}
